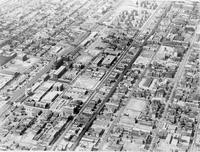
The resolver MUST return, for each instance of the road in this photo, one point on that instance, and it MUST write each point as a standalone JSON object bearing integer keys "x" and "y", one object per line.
{"x": 106, "y": 135}
{"x": 99, "y": 85}
{"x": 177, "y": 79}
{"x": 18, "y": 94}
{"x": 146, "y": 24}
{"x": 112, "y": 90}
{"x": 95, "y": 27}
{"x": 104, "y": 101}
{"x": 193, "y": 145}
{"x": 21, "y": 92}
{"x": 116, "y": 120}
{"x": 91, "y": 97}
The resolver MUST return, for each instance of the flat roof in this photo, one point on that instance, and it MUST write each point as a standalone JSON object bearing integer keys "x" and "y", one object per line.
{"x": 50, "y": 96}
{"x": 60, "y": 70}
{"x": 108, "y": 60}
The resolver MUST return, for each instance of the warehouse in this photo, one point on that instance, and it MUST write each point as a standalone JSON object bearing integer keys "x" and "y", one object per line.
{"x": 50, "y": 96}
{"x": 59, "y": 72}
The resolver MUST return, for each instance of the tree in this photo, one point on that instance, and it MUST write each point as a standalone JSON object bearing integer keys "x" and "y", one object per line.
{"x": 76, "y": 110}
{"x": 70, "y": 118}
{"x": 82, "y": 66}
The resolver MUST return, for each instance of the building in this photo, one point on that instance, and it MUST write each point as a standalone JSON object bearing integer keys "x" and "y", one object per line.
{"x": 50, "y": 96}
{"x": 23, "y": 57}
{"x": 109, "y": 60}
{"x": 42, "y": 105}
{"x": 58, "y": 86}
{"x": 58, "y": 73}
{"x": 5, "y": 57}
{"x": 98, "y": 60}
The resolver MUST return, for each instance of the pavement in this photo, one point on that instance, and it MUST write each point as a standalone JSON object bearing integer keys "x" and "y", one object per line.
{"x": 111, "y": 92}
{"x": 177, "y": 79}
{"x": 18, "y": 94}
{"x": 103, "y": 103}
{"x": 116, "y": 120}
{"x": 95, "y": 91}
{"x": 21, "y": 92}
{"x": 91, "y": 97}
